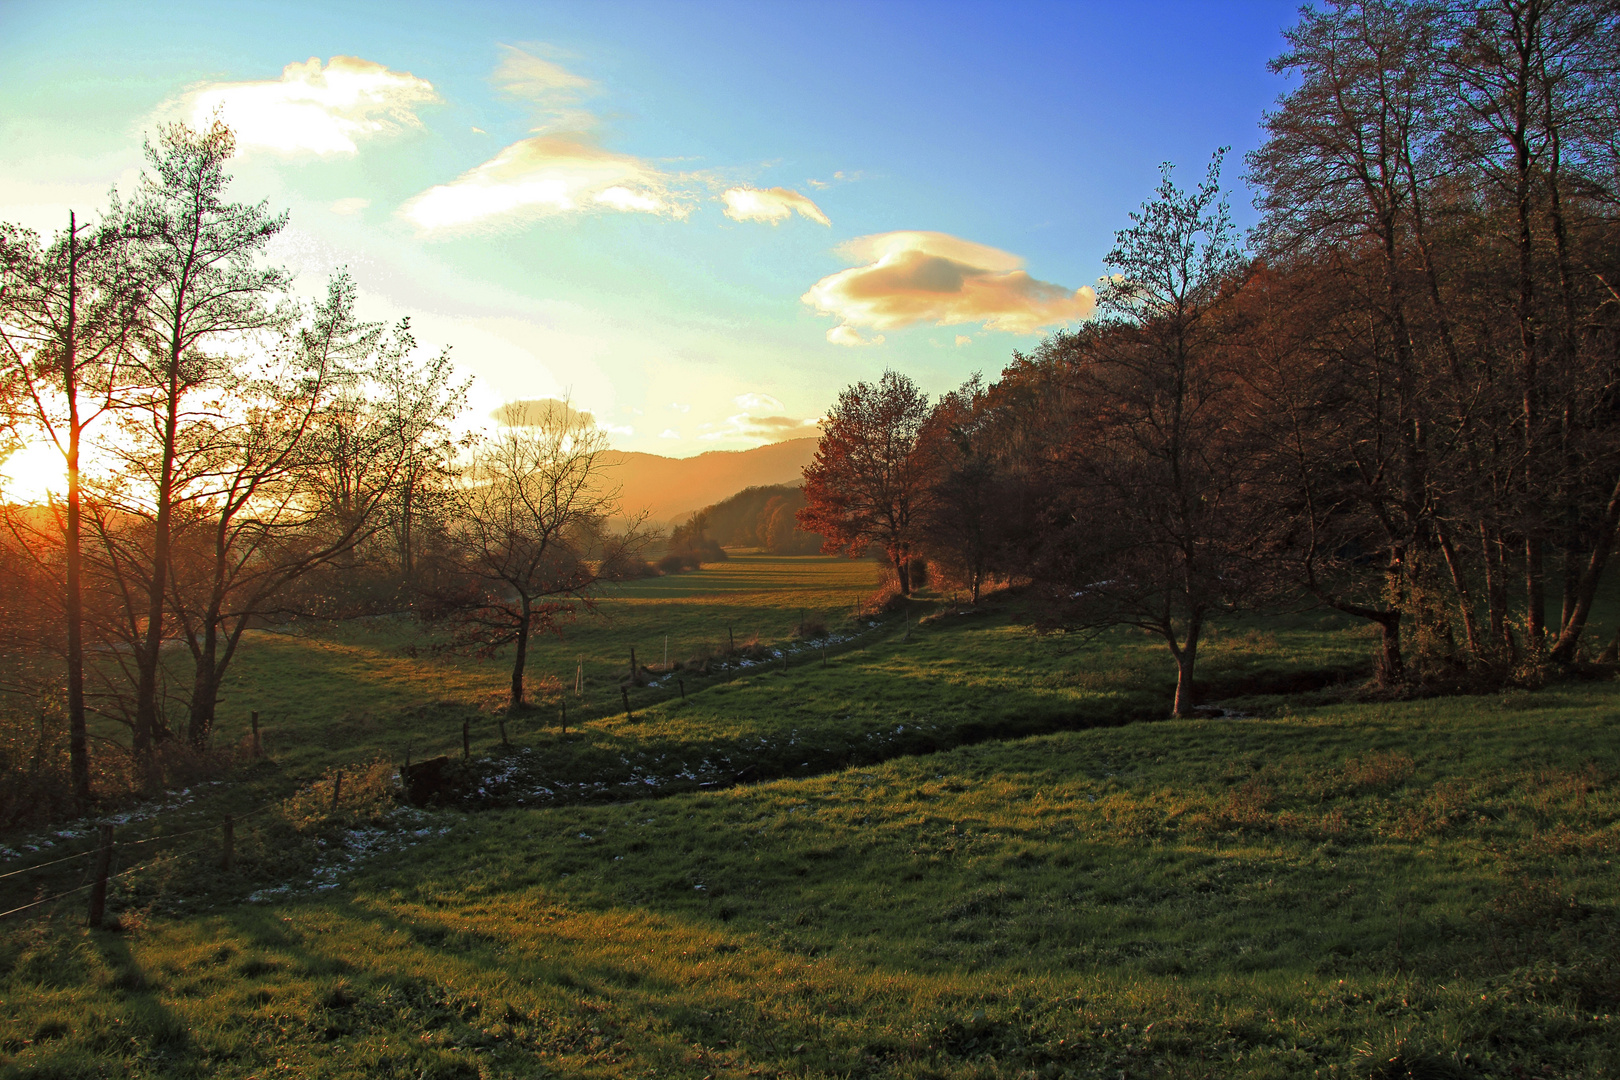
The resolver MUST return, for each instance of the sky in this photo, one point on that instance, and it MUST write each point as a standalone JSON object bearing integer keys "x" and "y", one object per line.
{"x": 698, "y": 221}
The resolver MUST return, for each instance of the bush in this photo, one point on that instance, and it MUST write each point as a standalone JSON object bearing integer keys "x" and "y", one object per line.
{"x": 624, "y": 566}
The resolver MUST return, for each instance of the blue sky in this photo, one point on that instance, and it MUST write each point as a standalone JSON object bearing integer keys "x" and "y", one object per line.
{"x": 700, "y": 221}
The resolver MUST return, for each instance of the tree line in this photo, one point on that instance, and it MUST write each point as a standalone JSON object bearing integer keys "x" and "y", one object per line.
{"x": 236, "y": 458}
{"x": 1396, "y": 398}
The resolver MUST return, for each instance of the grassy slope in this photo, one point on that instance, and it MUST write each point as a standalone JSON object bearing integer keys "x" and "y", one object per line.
{"x": 1317, "y": 890}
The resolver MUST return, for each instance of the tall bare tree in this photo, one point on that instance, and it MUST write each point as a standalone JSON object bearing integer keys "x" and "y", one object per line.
{"x": 1160, "y": 541}
{"x": 68, "y": 319}
{"x": 196, "y": 260}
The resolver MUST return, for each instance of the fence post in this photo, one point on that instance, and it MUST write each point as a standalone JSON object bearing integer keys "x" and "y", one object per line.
{"x": 256, "y": 749}
{"x": 466, "y": 739}
{"x": 337, "y": 789}
{"x": 227, "y": 844}
{"x": 503, "y": 732}
{"x": 732, "y": 634}
{"x": 98, "y": 891}
{"x": 625, "y": 693}
{"x": 682, "y": 684}
{"x": 565, "y": 716}
{"x": 632, "y": 665}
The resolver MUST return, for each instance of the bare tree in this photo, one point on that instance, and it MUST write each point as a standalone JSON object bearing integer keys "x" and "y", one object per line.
{"x": 527, "y": 532}
{"x": 1156, "y": 537}
{"x": 195, "y": 258}
{"x": 68, "y": 314}
{"x": 967, "y": 505}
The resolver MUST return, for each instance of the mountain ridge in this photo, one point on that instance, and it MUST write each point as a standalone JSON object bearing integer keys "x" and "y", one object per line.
{"x": 669, "y": 490}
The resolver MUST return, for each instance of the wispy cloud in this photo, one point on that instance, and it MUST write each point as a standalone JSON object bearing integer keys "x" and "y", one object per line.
{"x": 316, "y": 109}
{"x": 559, "y": 169}
{"x": 538, "y": 412}
{"x": 749, "y": 424}
{"x": 551, "y": 90}
{"x": 772, "y": 205}
{"x": 544, "y": 176}
{"x": 845, "y": 334}
{"x": 907, "y": 278}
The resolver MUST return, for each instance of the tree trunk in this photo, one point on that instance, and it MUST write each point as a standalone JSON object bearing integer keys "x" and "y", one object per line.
{"x": 78, "y": 741}
{"x": 1465, "y": 600}
{"x": 1535, "y": 591}
{"x": 1495, "y": 584}
{"x": 522, "y": 655}
{"x": 150, "y": 656}
{"x": 1391, "y": 668}
{"x": 204, "y": 691}
{"x": 902, "y": 570}
{"x": 1186, "y": 657}
{"x": 1569, "y": 635}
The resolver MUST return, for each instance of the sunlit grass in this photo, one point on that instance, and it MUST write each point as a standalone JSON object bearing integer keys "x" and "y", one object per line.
{"x": 970, "y": 866}
{"x": 1272, "y": 896}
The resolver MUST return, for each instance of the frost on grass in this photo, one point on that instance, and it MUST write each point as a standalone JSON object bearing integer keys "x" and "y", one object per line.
{"x": 404, "y": 828}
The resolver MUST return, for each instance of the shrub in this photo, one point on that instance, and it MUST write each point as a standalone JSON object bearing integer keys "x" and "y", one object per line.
{"x": 624, "y": 566}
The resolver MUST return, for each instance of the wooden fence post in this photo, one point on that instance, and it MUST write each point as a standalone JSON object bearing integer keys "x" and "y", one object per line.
{"x": 625, "y": 693}
{"x": 466, "y": 739}
{"x": 732, "y": 634}
{"x": 632, "y": 665}
{"x": 257, "y": 749}
{"x": 98, "y": 891}
{"x": 227, "y": 844}
{"x": 565, "y": 716}
{"x": 503, "y": 732}
{"x": 337, "y": 789}
{"x": 682, "y": 684}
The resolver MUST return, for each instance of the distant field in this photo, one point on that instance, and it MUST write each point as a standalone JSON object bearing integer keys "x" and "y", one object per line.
{"x": 1375, "y": 890}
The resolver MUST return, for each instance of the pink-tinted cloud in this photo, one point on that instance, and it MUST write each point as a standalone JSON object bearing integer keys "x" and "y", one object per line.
{"x": 907, "y": 278}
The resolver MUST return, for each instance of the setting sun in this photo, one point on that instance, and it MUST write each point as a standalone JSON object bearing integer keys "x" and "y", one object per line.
{"x": 33, "y": 474}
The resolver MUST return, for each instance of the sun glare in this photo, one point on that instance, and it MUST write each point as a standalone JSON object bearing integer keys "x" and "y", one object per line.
{"x": 33, "y": 474}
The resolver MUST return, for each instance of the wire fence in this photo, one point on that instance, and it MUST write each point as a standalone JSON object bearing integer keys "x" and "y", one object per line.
{"x": 108, "y": 849}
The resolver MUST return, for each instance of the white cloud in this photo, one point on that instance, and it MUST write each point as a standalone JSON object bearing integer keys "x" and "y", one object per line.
{"x": 913, "y": 277}
{"x": 757, "y": 402}
{"x": 315, "y": 109}
{"x": 544, "y": 176}
{"x": 773, "y": 205}
{"x": 349, "y": 206}
{"x": 559, "y": 169}
{"x": 844, "y": 334}
{"x": 963, "y": 339}
{"x": 678, "y": 407}
{"x": 669, "y": 433}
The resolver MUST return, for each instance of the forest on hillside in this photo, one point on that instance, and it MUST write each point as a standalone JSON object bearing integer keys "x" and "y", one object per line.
{"x": 1397, "y": 398}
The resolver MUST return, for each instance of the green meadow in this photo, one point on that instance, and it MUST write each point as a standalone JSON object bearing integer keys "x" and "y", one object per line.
{"x": 943, "y": 845}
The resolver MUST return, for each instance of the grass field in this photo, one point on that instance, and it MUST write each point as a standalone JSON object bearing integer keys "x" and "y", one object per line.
{"x": 968, "y": 865}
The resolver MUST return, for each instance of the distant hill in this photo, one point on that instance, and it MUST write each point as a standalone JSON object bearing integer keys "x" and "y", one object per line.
{"x": 754, "y": 517}
{"x": 672, "y": 489}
